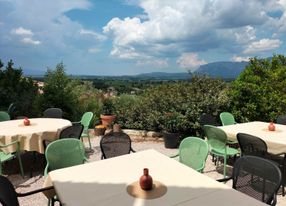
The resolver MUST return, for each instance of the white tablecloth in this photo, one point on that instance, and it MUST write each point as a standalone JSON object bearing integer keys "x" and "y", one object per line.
{"x": 275, "y": 140}
{"x": 104, "y": 183}
{"x": 31, "y": 137}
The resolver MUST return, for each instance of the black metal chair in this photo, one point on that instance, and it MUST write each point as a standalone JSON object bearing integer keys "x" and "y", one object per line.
{"x": 73, "y": 131}
{"x": 8, "y": 195}
{"x": 257, "y": 177}
{"x": 53, "y": 113}
{"x": 255, "y": 146}
{"x": 281, "y": 119}
{"x": 11, "y": 110}
{"x": 115, "y": 144}
{"x": 207, "y": 119}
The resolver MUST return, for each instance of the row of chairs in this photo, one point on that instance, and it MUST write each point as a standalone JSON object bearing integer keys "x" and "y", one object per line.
{"x": 256, "y": 173}
{"x": 65, "y": 152}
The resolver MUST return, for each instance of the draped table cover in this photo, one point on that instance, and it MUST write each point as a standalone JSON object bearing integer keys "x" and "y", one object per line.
{"x": 31, "y": 137}
{"x": 105, "y": 182}
{"x": 275, "y": 140}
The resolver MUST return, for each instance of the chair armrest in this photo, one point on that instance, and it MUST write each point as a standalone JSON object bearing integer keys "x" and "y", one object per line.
{"x": 173, "y": 156}
{"x": 6, "y": 145}
{"x": 224, "y": 179}
{"x": 132, "y": 150}
{"x": 35, "y": 191}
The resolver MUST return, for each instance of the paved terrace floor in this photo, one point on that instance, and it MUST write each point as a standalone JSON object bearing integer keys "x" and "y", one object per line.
{"x": 27, "y": 184}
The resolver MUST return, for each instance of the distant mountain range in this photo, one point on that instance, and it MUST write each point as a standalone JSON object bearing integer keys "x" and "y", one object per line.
{"x": 225, "y": 70}
{"x": 222, "y": 69}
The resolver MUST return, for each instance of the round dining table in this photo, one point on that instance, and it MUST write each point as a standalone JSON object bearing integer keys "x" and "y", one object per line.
{"x": 31, "y": 137}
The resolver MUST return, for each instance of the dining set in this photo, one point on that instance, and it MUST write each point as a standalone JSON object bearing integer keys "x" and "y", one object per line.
{"x": 115, "y": 180}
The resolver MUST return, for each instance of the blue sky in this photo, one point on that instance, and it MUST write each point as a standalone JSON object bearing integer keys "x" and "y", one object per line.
{"x": 115, "y": 37}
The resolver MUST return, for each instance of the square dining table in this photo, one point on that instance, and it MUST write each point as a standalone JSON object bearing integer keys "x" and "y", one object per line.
{"x": 107, "y": 183}
{"x": 275, "y": 140}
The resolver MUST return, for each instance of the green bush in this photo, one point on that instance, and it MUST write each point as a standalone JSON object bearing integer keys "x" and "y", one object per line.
{"x": 259, "y": 93}
{"x": 16, "y": 88}
{"x": 87, "y": 99}
{"x": 188, "y": 100}
{"x": 57, "y": 92}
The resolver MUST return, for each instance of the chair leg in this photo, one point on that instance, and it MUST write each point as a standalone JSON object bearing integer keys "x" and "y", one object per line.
{"x": 20, "y": 163}
{"x": 224, "y": 166}
{"x": 89, "y": 142}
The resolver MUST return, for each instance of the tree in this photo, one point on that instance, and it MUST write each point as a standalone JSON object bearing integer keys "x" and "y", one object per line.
{"x": 259, "y": 93}
{"x": 14, "y": 87}
{"x": 57, "y": 92}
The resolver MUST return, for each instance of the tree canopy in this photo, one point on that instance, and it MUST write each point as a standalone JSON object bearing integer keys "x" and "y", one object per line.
{"x": 259, "y": 93}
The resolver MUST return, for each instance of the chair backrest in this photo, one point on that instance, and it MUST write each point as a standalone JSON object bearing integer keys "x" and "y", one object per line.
{"x": 53, "y": 113}
{"x": 73, "y": 131}
{"x": 8, "y": 196}
{"x": 257, "y": 177}
{"x": 4, "y": 116}
{"x": 216, "y": 137}
{"x": 11, "y": 110}
{"x": 64, "y": 153}
{"x": 115, "y": 144}
{"x": 226, "y": 118}
{"x": 251, "y": 145}
{"x": 193, "y": 152}
{"x": 207, "y": 119}
{"x": 86, "y": 119}
{"x": 281, "y": 119}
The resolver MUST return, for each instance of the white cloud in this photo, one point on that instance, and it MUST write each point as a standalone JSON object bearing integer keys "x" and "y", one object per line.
{"x": 158, "y": 63}
{"x": 245, "y": 35}
{"x": 93, "y": 50}
{"x": 200, "y": 25}
{"x": 28, "y": 40}
{"x": 92, "y": 33}
{"x": 262, "y": 46}
{"x": 22, "y": 32}
{"x": 190, "y": 61}
{"x": 240, "y": 59}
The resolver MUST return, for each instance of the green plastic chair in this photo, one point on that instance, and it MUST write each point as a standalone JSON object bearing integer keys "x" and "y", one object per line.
{"x": 226, "y": 118}
{"x": 217, "y": 140}
{"x": 193, "y": 152}
{"x": 4, "y": 116}
{"x": 64, "y": 153}
{"x": 85, "y": 121}
{"x": 8, "y": 156}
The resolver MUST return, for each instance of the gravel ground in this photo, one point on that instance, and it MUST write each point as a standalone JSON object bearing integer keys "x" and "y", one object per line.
{"x": 28, "y": 184}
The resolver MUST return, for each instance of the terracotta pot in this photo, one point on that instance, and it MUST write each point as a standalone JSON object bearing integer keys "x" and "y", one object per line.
{"x": 271, "y": 126}
{"x": 106, "y": 120}
{"x": 146, "y": 181}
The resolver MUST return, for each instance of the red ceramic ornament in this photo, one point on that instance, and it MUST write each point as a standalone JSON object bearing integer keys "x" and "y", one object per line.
{"x": 271, "y": 126}
{"x": 146, "y": 181}
{"x": 26, "y": 121}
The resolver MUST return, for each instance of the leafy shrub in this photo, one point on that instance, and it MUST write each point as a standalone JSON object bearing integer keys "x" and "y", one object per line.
{"x": 57, "y": 92}
{"x": 14, "y": 87}
{"x": 87, "y": 99}
{"x": 186, "y": 99}
{"x": 259, "y": 93}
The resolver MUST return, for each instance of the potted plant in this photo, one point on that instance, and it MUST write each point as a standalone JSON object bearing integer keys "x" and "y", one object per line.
{"x": 107, "y": 116}
{"x": 173, "y": 124}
